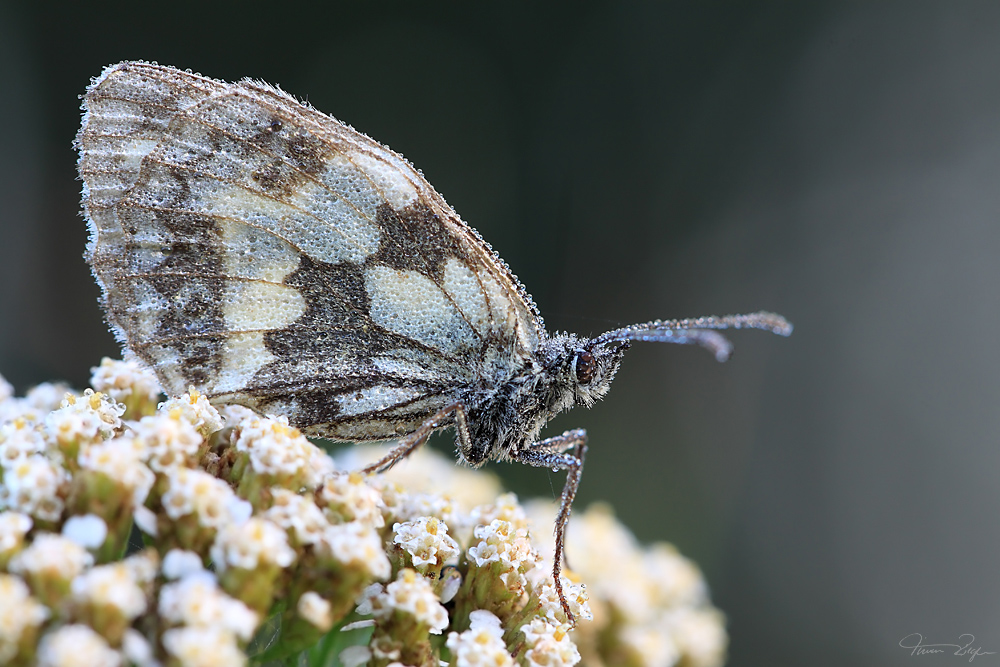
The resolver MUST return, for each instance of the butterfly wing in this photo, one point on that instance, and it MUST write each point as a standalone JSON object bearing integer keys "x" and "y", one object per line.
{"x": 269, "y": 255}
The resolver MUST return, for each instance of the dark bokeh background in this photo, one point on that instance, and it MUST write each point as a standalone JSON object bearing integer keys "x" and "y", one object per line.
{"x": 835, "y": 162}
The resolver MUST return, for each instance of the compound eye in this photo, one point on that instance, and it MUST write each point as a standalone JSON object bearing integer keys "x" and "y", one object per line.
{"x": 586, "y": 366}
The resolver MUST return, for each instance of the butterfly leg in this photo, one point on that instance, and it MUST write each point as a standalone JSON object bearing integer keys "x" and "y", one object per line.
{"x": 552, "y": 453}
{"x": 413, "y": 441}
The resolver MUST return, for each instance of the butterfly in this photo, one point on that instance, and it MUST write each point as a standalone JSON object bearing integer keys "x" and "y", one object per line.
{"x": 271, "y": 256}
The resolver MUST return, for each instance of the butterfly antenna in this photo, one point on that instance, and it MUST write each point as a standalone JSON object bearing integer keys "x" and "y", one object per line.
{"x": 698, "y": 331}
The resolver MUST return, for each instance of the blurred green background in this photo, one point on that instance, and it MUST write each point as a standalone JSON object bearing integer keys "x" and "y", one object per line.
{"x": 836, "y": 162}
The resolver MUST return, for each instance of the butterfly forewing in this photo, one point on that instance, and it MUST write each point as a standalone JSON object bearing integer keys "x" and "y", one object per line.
{"x": 269, "y": 255}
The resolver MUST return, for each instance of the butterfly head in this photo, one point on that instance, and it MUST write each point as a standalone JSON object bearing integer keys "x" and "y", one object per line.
{"x": 582, "y": 369}
{"x": 589, "y": 365}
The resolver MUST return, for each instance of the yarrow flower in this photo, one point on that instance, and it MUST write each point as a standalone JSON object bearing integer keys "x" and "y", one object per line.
{"x": 126, "y": 382}
{"x": 412, "y": 595}
{"x": 313, "y": 608}
{"x": 505, "y": 508}
{"x": 167, "y": 440}
{"x": 401, "y": 505}
{"x": 108, "y": 597}
{"x": 76, "y": 645}
{"x": 549, "y": 645}
{"x": 210, "y": 500}
{"x": 425, "y": 471}
{"x": 196, "y": 409}
{"x": 21, "y": 615}
{"x": 121, "y": 463}
{"x": 282, "y": 454}
{"x": 498, "y": 565}
{"x": 349, "y": 497}
{"x": 47, "y": 396}
{"x": 35, "y": 406}
{"x": 651, "y": 603}
{"x": 20, "y": 440}
{"x": 196, "y": 600}
{"x": 249, "y": 557}
{"x": 35, "y": 486}
{"x": 500, "y": 542}
{"x": 49, "y": 565}
{"x": 200, "y": 646}
{"x": 112, "y": 585}
{"x": 427, "y": 542}
{"x": 481, "y": 645}
{"x": 304, "y": 521}
{"x": 90, "y": 418}
{"x": 550, "y": 606}
{"x": 250, "y": 544}
{"x": 258, "y": 543}
{"x": 356, "y": 545}
{"x": 406, "y": 613}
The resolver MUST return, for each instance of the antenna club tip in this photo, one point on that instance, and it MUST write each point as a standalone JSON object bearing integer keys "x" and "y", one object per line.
{"x": 783, "y": 327}
{"x": 772, "y": 322}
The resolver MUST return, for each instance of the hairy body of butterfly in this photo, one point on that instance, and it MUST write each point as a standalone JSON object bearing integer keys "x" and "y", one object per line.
{"x": 271, "y": 256}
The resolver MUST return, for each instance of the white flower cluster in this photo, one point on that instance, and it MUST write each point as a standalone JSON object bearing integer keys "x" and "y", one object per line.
{"x": 167, "y": 440}
{"x": 211, "y": 501}
{"x": 89, "y": 418}
{"x": 35, "y": 485}
{"x": 505, "y": 508}
{"x": 403, "y": 505}
{"x": 349, "y": 497}
{"x": 249, "y": 544}
{"x": 653, "y": 601}
{"x": 316, "y": 610}
{"x": 200, "y": 646}
{"x": 121, "y": 460}
{"x": 113, "y": 585}
{"x": 550, "y": 607}
{"x": 35, "y": 444}
{"x": 205, "y": 625}
{"x": 19, "y": 440}
{"x": 427, "y": 484}
{"x": 299, "y": 515}
{"x": 51, "y": 558}
{"x": 35, "y": 405}
{"x": 20, "y": 613}
{"x": 124, "y": 380}
{"x": 356, "y": 545}
{"x": 282, "y": 452}
{"x": 509, "y": 547}
{"x": 254, "y": 521}
{"x": 427, "y": 542}
{"x": 103, "y": 592}
{"x": 196, "y": 410}
{"x": 409, "y": 594}
{"x": 76, "y": 645}
{"x": 195, "y": 600}
{"x": 548, "y": 645}
{"x": 481, "y": 645}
